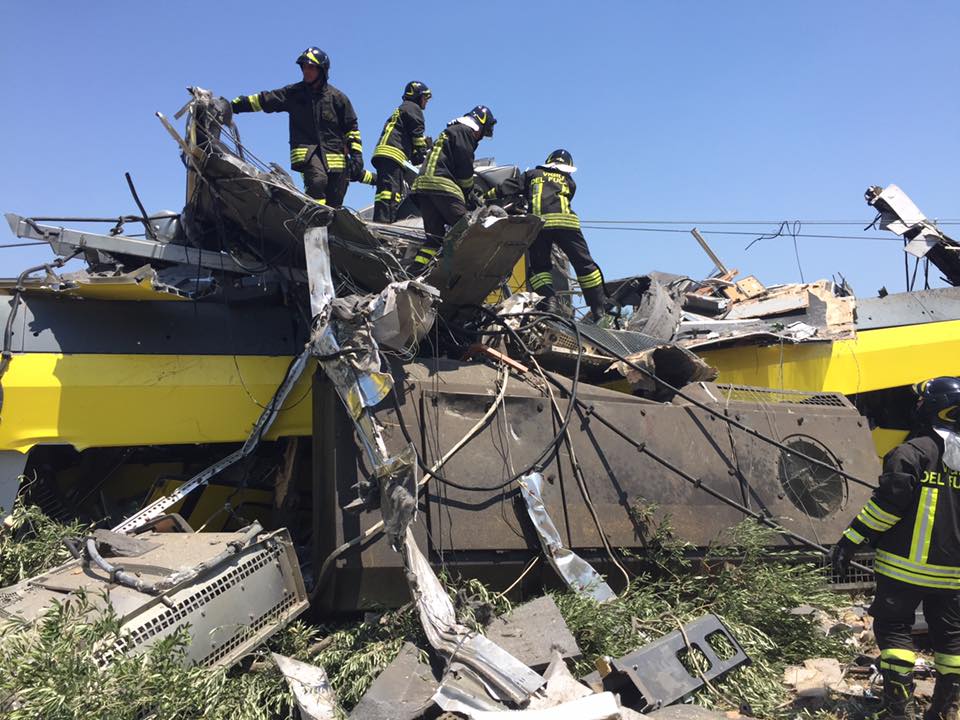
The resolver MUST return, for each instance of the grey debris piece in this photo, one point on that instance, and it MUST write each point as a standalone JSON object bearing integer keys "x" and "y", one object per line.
{"x": 533, "y": 633}
{"x": 561, "y": 686}
{"x": 600, "y": 706}
{"x": 653, "y": 676}
{"x": 403, "y": 691}
{"x": 311, "y": 688}
{"x": 686, "y": 712}
{"x": 576, "y": 572}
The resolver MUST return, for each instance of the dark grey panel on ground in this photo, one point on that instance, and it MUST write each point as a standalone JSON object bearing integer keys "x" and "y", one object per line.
{"x": 402, "y": 691}
{"x": 532, "y": 631}
{"x": 654, "y": 675}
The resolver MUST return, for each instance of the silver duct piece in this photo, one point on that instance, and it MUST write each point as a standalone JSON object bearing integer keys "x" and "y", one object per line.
{"x": 310, "y": 687}
{"x": 575, "y": 571}
{"x": 507, "y": 676}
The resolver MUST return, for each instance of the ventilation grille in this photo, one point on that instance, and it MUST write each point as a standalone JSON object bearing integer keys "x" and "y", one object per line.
{"x": 250, "y": 630}
{"x": 742, "y": 393}
{"x": 173, "y": 617}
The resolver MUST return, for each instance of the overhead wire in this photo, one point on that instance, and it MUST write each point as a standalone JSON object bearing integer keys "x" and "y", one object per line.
{"x": 740, "y": 233}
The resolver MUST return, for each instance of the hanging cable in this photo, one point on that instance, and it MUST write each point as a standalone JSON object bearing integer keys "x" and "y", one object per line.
{"x": 377, "y": 527}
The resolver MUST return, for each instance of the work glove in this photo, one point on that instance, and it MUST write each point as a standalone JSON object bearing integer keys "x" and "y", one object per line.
{"x": 355, "y": 165}
{"x": 841, "y": 556}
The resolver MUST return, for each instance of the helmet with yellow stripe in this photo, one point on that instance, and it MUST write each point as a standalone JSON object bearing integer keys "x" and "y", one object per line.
{"x": 416, "y": 90}
{"x": 484, "y": 118}
{"x": 314, "y": 56}
{"x": 938, "y": 401}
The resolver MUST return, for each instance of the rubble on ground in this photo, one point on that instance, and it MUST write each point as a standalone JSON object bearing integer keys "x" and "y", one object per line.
{"x": 385, "y": 664}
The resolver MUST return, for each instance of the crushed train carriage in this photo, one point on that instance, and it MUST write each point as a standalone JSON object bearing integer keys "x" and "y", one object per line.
{"x": 149, "y": 382}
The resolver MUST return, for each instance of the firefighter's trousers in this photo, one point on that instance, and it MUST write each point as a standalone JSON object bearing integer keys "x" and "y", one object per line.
{"x": 894, "y": 609}
{"x": 389, "y": 190}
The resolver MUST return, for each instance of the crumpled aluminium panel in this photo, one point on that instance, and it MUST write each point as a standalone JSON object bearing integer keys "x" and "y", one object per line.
{"x": 579, "y": 575}
{"x": 310, "y": 687}
{"x": 507, "y": 676}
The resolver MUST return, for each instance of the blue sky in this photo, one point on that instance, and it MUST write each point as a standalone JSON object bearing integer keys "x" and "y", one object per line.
{"x": 686, "y": 111}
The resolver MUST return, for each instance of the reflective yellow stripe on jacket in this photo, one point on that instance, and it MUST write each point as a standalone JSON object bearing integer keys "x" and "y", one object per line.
{"x": 560, "y": 220}
{"x": 429, "y": 181}
{"x": 941, "y": 577}
{"x": 384, "y": 148}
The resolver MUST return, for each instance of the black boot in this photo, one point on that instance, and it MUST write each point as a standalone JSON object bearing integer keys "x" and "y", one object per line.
{"x": 596, "y": 299}
{"x": 946, "y": 699}
{"x": 897, "y": 696}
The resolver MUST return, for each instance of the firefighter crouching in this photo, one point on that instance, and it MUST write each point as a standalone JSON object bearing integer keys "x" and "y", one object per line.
{"x": 913, "y": 521}
{"x": 548, "y": 190}
{"x": 324, "y": 136}
{"x": 402, "y": 141}
{"x": 442, "y": 189}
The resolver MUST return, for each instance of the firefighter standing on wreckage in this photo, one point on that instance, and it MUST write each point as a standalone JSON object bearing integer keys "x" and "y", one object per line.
{"x": 913, "y": 520}
{"x": 443, "y": 188}
{"x": 324, "y": 136}
{"x": 402, "y": 141}
{"x": 548, "y": 189}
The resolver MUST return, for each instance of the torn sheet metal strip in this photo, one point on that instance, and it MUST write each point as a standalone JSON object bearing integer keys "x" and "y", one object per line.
{"x": 576, "y": 572}
{"x": 512, "y": 680}
{"x": 64, "y": 241}
{"x": 310, "y": 687}
{"x": 161, "y": 505}
{"x": 602, "y": 706}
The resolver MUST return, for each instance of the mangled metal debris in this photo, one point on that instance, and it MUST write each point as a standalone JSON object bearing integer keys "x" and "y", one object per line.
{"x": 577, "y": 573}
{"x": 923, "y": 239}
{"x": 676, "y": 665}
{"x": 506, "y": 676}
{"x": 231, "y": 590}
{"x": 310, "y": 687}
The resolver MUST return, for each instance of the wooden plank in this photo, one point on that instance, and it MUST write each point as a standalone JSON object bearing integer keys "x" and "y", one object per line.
{"x": 709, "y": 288}
{"x": 750, "y": 286}
{"x": 785, "y": 301}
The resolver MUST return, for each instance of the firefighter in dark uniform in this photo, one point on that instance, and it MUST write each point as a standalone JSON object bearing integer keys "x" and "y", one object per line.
{"x": 913, "y": 521}
{"x": 324, "y": 136}
{"x": 402, "y": 141}
{"x": 443, "y": 187}
{"x": 548, "y": 189}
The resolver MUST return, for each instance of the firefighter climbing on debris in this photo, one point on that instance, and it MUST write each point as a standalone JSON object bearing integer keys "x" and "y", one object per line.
{"x": 402, "y": 141}
{"x": 548, "y": 189}
{"x": 443, "y": 187}
{"x": 324, "y": 136}
{"x": 913, "y": 520}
